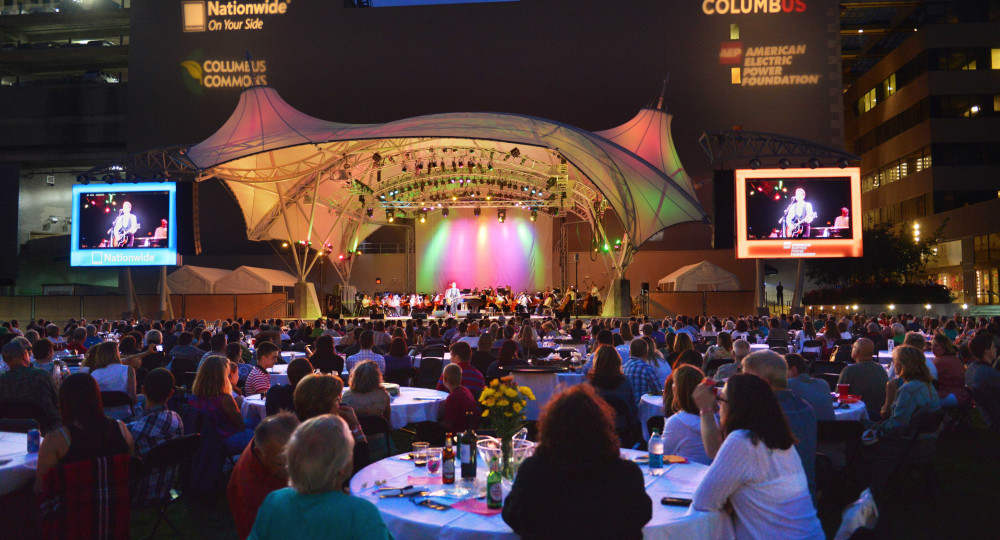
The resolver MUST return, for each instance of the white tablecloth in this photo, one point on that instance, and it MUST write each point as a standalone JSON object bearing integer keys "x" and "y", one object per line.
{"x": 651, "y": 405}
{"x": 759, "y": 347}
{"x": 410, "y": 406}
{"x": 21, "y": 468}
{"x": 407, "y": 520}
{"x": 288, "y": 356}
{"x": 885, "y": 357}
{"x": 544, "y": 386}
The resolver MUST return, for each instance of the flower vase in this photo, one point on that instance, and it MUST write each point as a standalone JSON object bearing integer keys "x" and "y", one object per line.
{"x": 507, "y": 457}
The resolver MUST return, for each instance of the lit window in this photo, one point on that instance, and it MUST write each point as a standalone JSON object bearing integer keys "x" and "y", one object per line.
{"x": 735, "y": 75}
{"x": 995, "y": 53}
{"x": 734, "y": 31}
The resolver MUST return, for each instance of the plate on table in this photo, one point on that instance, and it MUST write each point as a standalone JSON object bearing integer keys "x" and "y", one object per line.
{"x": 850, "y": 399}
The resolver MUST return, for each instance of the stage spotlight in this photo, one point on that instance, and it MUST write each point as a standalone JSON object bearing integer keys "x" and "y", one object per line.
{"x": 389, "y": 217}
{"x": 501, "y": 215}
{"x": 423, "y": 216}
{"x": 370, "y": 212}
{"x": 842, "y": 163}
{"x": 813, "y": 163}
{"x": 755, "y": 164}
{"x": 784, "y": 163}
{"x": 534, "y": 215}
{"x": 515, "y": 152}
{"x": 477, "y": 211}
{"x": 445, "y": 212}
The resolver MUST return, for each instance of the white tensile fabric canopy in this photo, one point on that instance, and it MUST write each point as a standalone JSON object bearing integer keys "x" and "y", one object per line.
{"x": 703, "y": 276}
{"x": 190, "y": 279}
{"x": 278, "y": 162}
{"x": 251, "y": 279}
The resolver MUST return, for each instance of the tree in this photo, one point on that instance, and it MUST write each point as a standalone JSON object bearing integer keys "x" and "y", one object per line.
{"x": 890, "y": 258}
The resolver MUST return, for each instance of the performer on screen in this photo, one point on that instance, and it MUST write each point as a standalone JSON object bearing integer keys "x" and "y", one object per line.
{"x": 452, "y": 297}
{"x": 843, "y": 221}
{"x": 123, "y": 228}
{"x": 797, "y": 217}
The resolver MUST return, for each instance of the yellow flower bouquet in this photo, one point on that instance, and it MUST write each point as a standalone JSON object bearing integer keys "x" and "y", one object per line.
{"x": 503, "y": 403}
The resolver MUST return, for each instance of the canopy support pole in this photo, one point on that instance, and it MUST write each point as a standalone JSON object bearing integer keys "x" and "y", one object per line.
{"x": 166, "y": 308}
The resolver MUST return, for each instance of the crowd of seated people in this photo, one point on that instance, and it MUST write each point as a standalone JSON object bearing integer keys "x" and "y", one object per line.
{"x": 163, "y": 368}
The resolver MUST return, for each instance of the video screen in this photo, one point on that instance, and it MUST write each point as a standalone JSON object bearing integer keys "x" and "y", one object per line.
{"x": 124, "y": 225}
{"x": 787, "y": 213}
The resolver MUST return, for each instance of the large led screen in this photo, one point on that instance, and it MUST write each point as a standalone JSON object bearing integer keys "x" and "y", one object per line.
{"x": 124, "y": 225}
{"x": 792, "y": 213}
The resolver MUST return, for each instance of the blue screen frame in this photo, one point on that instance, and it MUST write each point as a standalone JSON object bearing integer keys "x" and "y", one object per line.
{"x": 109, "y": 257}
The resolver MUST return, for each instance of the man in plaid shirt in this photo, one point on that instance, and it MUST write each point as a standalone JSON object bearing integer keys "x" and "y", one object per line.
{"x": 366, "y": 342}
{"x": 156, "y": 427}
{"x": 639, "y": 373}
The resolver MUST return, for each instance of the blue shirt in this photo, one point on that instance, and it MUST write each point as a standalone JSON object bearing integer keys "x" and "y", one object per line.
{"x": 816, "y": 392}
{"x": 642, "y": 377}
{"x": 802, "y": 420}
{"x": 288, "y": 514}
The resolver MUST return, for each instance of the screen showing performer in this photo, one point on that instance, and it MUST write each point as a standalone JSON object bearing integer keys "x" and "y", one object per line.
{"x": 790, "y": 213}
{"x": 136, "y": 221}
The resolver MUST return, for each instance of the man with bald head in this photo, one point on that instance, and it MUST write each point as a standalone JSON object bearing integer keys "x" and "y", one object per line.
{"x": 771, "y": 367}
{"x": 866, "y": 377}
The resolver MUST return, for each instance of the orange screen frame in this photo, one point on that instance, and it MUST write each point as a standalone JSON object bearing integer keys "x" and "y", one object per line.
{"x": 791, "y": 248}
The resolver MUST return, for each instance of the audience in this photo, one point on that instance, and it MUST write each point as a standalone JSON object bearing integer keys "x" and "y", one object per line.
{"x": 397, "y": 357}
{"x": 641, "y": 376}
{"x": 86, "y": 432}
{"x": 366, "y": 395}
{"x": 771, "y": 367}
{"x": 112, "y": 376}
{"x": 951, "y": 372}
{"x": 260, "y": 470}
{"x": 316, "y": 505}
{"x": 43, "y": 354}
{"x": 325, "y": 357}
{"x": 481, "y": 357}
{"x": 682, "y": 429}
{"x": 316, "y": 395}
{"x": 816, "y": 392}
{"x": 577, "y": 485}
{"x": 280, "y": 397}
{"x": 365, "y": 353}
{"x": 155, "y": 427}
{"x": 980, "y": 376}
{"x": 614, "y": 388}
{"x": 453, "y": 412}
{"x": 259, "y": 380}
{"x": 28, "y": 388}
{"x": 472, "y": 379}
{"x": 866, "y": 377}
{"x": 754, "y": 469}
{"x": 212, "y": 395}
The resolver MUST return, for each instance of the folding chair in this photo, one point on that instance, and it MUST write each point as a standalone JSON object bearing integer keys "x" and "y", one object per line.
{"x": 173, "y": 453}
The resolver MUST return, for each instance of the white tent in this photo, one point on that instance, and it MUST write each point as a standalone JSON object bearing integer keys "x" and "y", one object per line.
{"x": 703, "y": 276}
{"x": 195, "y": 279}
{"x": 250, "y": 279}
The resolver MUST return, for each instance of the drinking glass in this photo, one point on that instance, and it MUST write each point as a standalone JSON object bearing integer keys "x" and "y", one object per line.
{"x": 433, "y": 460}
{"x": 420, "y": 453}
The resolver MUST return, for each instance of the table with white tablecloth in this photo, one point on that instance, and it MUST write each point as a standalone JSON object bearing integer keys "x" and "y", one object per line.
{"x": 412, "y": 405}
{"x": 544, "y": 386}
{"x": 650, "y": 406}
{"x": 17, "y": 466}
{"x": 407, "y": 520}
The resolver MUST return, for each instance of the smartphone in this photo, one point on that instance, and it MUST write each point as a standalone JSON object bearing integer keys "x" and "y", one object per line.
{"x": 675, "y": 501}
{"x": 159, "y": 348}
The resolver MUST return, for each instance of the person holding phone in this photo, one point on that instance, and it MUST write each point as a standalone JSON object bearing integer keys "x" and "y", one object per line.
{"x": 755, "y": 466}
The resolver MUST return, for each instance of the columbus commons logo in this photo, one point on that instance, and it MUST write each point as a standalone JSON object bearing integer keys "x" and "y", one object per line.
{"x": 199, "y": 73}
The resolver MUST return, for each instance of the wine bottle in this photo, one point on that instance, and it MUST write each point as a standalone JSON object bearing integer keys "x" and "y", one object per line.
{"x": 467, "y": 449}
{"x": 448, "y": 461}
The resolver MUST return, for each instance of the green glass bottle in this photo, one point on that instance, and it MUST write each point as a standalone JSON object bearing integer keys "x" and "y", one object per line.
{"x": 494, "y": 490}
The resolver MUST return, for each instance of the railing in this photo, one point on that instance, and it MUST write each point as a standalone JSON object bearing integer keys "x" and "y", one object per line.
{"x": 376, "y": 248}
{"x": 640, "y": 307}
{"x": 277, "y": 310}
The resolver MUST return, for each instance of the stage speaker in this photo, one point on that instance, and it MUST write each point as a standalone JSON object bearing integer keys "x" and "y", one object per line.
{"x": 474, "y": 316}
{"x": 461, "y": 313}
{"x": 763, "y": 312}
{"x": 724, "y": 193}
{"x": 377, "y": 316}
{"x": 420, "y": 315}
{"x": 439, "y": 314}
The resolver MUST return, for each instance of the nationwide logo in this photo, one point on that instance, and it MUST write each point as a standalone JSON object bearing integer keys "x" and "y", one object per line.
{"x": 212, "y": 16}
{"x": 199, "y": 74}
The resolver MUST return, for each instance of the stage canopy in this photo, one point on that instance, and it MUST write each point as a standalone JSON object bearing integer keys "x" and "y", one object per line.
{"x": 703, "y": 276}
{"x": 329, "y": 185}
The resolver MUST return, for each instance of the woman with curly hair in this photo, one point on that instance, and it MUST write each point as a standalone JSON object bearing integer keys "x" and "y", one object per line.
{"x": 578, "y": 454}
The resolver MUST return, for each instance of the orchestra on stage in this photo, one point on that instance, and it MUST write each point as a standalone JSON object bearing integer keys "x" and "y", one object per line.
{"x": 489, "y": 301}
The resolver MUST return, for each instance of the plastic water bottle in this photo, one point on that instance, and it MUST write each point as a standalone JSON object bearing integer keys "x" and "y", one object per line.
{"x": 655, "y": 451}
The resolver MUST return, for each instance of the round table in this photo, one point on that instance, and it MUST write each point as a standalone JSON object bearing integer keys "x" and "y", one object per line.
{"x": 651, "y": 405}
{"x": 412, "y": 405}
{"x": 407, "y": 520}
{"x": 20, "y": 470}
